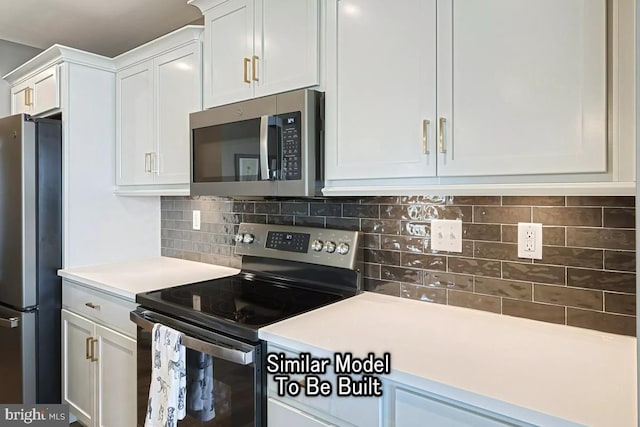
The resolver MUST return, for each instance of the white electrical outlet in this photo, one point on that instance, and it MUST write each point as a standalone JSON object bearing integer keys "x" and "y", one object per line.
{"x": 446, "y": 235}
{"x": 196, "y": 220}
{"x": 530, "y": 240}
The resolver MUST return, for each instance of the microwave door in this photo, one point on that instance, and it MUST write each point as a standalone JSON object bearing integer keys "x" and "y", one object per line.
{"x": 226, "y": 159}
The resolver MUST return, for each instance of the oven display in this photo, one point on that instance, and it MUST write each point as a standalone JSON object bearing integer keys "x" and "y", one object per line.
{"x": 286, "y": 241}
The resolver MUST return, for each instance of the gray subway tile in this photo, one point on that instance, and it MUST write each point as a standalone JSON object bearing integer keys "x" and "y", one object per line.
{"x": 475, "y": 301}
{"x": 423, "y": 293}
{"x": 606, "y": 322}
{"x": 535, "y": 311}
{"x": 504, "y": 288}
{"x": 590, "y": 217}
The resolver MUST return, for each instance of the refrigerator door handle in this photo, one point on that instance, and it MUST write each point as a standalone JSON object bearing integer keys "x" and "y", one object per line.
{"x": 11, "y": 322}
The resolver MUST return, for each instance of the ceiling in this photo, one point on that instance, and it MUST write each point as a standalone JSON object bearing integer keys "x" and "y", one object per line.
{"x": 103, "y": 27}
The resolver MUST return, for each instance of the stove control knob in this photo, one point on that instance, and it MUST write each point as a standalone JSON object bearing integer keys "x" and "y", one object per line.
{"x": 239, "y": 237}
{"x": 343, "y": 248}
{"x": 248, "y": 238}
{"x": 330, "y": 247}
{"x": 316, "y": 245}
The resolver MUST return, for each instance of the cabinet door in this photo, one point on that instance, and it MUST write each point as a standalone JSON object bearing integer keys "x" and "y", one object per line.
{"x": 178, "y": 83}
{"x": 78, "y": 372}
{"x": 20, "y": 99}
{"x": 286, "y": 45}
{"x": 46, "y": 90}
{"x": 382, "y": 90}
{"x": 116, "y": 379}
{"x": 228, "y": 53}
{"x": 522, "y": 86}
{"x": 281, "y": 415}
{"x": 134, "y": 124}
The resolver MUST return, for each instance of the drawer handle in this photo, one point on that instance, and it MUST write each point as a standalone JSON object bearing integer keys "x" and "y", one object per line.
{"x": 92, "y": 305}
{"x": 302, "y": 383}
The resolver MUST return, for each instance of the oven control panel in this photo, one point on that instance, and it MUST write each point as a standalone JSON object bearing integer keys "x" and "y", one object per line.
{"x": 336, "y": 248}
{"x": 288, "y": 241}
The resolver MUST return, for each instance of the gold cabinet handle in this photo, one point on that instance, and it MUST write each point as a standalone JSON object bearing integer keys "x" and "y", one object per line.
{"x": 302, "y": 383}
{"x": 254, "y": 67}
{"x": 87, "y": 344}
{"x": 425, "y": 136}
{"x": 442, "y": 123}
{"x": 28, "y": 97}
{"x": 93, "y": 358}
{"x": 246, "y": 70}
{"x": 92, "y": 305}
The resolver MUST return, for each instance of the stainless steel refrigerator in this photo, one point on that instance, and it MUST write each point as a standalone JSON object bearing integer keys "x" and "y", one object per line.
{"x": 30, "y": 255}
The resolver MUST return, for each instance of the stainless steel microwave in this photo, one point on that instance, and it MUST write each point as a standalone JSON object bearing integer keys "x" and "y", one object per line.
{"x": 269, "y": 146}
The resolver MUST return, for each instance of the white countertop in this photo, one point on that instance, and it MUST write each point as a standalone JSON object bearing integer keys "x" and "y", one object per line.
{"x": 580, "y": 375}
{"x": 126, "y": 279}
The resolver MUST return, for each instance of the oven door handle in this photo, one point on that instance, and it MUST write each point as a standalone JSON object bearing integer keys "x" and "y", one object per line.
{"x": 232, "y": 355}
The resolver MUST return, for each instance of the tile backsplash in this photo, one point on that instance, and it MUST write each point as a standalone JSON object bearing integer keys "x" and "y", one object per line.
{"x": 586, "y": 277}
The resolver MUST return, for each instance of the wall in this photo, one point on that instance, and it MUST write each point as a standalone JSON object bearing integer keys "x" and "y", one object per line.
{"x": 586, "y": 277}
{"x": 11, "y": 55}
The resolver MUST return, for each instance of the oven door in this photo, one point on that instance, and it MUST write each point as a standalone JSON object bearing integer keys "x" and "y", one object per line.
{"x": 238, "y": 374}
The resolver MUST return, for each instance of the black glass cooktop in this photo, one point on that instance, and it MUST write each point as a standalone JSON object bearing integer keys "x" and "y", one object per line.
{"x": 238, "y": 305}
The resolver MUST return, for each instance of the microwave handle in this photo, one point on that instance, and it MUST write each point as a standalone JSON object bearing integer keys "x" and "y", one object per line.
{"x": 264, "y": 148}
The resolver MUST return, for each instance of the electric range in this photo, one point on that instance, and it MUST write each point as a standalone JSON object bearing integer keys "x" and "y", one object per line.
{"x": 286, "y": 271}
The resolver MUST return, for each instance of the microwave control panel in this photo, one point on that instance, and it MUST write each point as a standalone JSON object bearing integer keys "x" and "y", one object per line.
{"x": 291, "y": 146}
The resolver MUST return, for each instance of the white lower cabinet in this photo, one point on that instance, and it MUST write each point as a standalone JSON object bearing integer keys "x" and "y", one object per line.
{"x": 98, "y": 358}
{"x": 410, "y": 403}
{"x": 332, "y": 410}
{"x": 116, "y": 379}
{"x": 78, "y": 371}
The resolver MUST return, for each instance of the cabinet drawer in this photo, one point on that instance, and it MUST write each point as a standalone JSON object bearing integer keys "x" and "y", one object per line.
{"x": 358, "y": 411}
{"x": 106, "y": 309}
{"x": 281, "y": 415}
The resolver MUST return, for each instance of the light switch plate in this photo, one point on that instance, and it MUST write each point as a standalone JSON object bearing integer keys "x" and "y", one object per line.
{"x": 530, "y": 240}
{"x": 446, "y": 235}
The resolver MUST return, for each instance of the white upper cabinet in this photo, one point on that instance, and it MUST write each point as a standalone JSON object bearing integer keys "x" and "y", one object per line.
{"x": 381, "y": 96}
{"x": 228, "y": 53}
{"x": 157, "y": 86}
{"x": 178, "y": 88}
{"x": 135, "y": 142}
{"x": 503, "y": 95}
{"x": 254, "y": 48}
{"x": 522, "y": 86}
{"x": 38, "y": 94}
